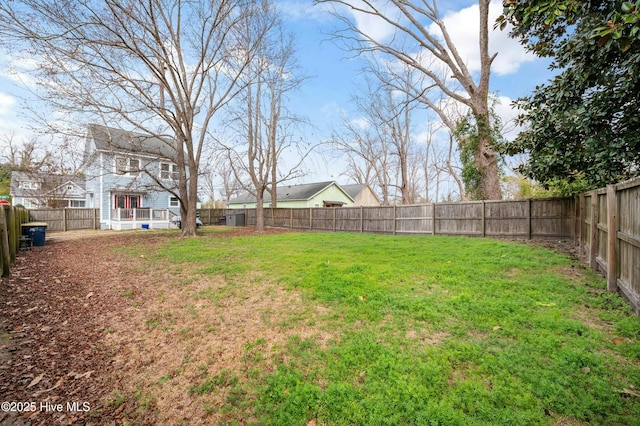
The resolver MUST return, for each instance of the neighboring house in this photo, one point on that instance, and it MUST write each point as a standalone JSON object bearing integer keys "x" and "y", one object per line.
{"x": 319, "y": 194}
{"x": 123, "y": 170}
{"x": 40, "y": 190}
{"x": 362, "y": 194}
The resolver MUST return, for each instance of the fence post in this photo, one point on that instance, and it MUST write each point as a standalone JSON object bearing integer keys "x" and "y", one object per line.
{"x": 484, "y": 221}
{"x": 291, "y": 218}
{"x": 612, "y": 237}
{"x": 576, "y": 219}
{"x": 4, "y": 244}
{"x": 395, "y": 225}
{"x": 433, "y": 218}
{"x": 334, "y": 218}
{"x": 311, "y": 218}
{"x": 593, "y": 233}
{"x": 582, "y": 225}
{"x": 529, "y": 219}
{"x": 64, "y": 220}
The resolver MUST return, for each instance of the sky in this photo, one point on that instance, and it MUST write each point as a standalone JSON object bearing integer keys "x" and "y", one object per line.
{"x": 333, "y": 79}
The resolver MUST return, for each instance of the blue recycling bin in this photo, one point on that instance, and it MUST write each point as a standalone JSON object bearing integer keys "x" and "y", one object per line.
{"x": 36, "y": 231}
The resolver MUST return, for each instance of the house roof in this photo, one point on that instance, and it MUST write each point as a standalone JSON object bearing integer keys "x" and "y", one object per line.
{"x": 49, "y": 183}
{"x": 117, "y": 140}
{"x": 355, "y": 189}
{"x": 302, "y": 192}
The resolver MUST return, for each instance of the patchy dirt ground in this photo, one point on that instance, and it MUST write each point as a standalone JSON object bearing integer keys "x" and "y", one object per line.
{"x": 71, "y": 342}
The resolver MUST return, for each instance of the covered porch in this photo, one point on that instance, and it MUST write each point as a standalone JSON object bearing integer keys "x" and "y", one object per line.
{"x": 140, "y": 218}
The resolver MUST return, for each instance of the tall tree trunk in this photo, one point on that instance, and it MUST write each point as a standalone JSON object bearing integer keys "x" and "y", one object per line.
{"x": 487, "y": 162}
{"x": 260, "y": 210}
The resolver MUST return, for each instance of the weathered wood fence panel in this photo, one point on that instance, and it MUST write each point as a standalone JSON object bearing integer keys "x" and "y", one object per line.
{"x": 60, "y": 220}
{"x": 349, "y": 220}
{"x": 459, "y": 219}
{"x": 378, "y": 219}
{"x": 11, "y": 220}
{"x": 416, "y": 219}
{"x": 609, "y": 236}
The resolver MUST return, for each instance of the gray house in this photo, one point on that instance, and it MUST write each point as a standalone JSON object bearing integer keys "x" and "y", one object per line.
{"x": 124, "y": 171}
{"x": 45, "y": 190}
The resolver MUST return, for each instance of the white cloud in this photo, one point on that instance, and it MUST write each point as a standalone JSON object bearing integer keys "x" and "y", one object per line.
{"x": 301, "y": 10}
{"x": 507, "y": 113}
{"x": 6, "y": 103}
{"x": 17, "y": 69}
{"x": 360, "y": 123}
{"x": 463, "y": 27}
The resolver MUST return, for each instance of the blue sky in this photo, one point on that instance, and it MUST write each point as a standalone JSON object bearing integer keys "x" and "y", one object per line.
{"x": 325, "y": 97}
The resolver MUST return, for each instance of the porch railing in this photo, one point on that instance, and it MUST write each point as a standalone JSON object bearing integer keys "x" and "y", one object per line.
{"x": 124, "y": 215}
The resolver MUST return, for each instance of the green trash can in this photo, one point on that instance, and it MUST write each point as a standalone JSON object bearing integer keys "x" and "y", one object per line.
{"x": 36, "y": 231}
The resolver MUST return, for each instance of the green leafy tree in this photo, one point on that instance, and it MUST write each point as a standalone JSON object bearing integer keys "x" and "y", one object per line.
{"x": 5, "y": 178}
{"x": 583, "y": 126}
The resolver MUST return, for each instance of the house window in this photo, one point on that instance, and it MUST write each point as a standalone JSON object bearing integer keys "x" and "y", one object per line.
{"x": 127, "y": 166}
{"x": 30, "y": 203}
{"x": 168, "y": 171}
{"x": 126, "y": 201}
{"x": 76, "y": 203}
{"x": 30, "y": 185}
{"x": 173, "y": 202}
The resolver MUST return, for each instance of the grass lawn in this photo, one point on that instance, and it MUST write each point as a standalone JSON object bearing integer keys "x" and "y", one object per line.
{"x": 338, "y": 329}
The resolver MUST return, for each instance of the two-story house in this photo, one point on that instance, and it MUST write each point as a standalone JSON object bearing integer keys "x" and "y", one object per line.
{"x": 128, "y": 177}
{"x": 42, "y": 190}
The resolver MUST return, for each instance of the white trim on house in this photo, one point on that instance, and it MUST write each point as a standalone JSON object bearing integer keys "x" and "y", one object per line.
{"x": 127, "y": 169}
{"x": 171, "y": 173}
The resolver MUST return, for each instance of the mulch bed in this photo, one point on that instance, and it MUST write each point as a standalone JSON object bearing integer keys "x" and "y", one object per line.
{"x": 53, "y": 314}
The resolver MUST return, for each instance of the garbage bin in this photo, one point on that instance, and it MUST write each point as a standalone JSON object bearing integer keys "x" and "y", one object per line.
{"x": 36, "y": 231}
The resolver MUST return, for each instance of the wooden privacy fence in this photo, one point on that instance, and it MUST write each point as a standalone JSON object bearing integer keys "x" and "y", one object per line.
{"x": 11, "y": 220}
{"x": 609, "y": 235}
{"x": 60, "y": 220}
{"x": 523, "y": 219}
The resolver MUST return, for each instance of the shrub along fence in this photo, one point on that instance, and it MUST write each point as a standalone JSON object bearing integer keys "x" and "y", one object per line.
{"x": 609, "y": 236}
{"x": 11, "y": 220}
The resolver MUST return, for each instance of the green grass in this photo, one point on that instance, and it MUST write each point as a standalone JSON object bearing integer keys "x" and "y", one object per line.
{"x": 429, "y": 330}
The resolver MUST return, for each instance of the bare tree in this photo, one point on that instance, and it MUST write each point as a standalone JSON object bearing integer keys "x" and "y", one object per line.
{"x": 28, "y": 156}
{"x": 369, "y": 154}
{"x": 261, "y": 120}
{"x": 219, "y": 177}
{"x": 383, "y": 139}
{"x": 162, "y": 68}
{"x": 438, "y": 62}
